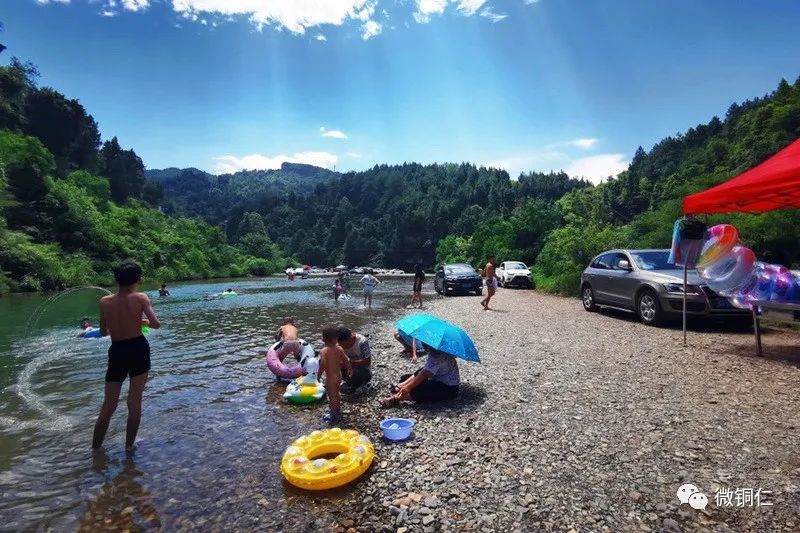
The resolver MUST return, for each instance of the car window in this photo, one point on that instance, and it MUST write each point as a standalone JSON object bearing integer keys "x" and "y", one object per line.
{"x": 515, "y": 265}
{"x": 459, "y": 269}
{"x": 604, "y": 262}
{"x": 654, "y": 260}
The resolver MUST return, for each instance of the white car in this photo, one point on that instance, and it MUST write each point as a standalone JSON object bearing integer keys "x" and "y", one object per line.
{"x": 514, "y": 273}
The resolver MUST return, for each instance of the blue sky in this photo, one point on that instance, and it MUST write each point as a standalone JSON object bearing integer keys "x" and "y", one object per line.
{"x": 520, "y": 84}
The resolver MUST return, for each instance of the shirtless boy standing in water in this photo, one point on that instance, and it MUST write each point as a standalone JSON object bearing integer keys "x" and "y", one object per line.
{"x": 129, "y": 354}
{"x": 332, "y": 360}
{"x": 287, "y": 330}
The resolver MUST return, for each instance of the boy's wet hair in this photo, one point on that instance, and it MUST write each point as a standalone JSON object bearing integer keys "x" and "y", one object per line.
{"x": 287, "y": 320}
{"x": 163, "y": 285}
{"x": 343, "y": 333}
{"x": 330, "y": 334}
{"x": 85, "y": 319}
{"x": 127, "y": 273}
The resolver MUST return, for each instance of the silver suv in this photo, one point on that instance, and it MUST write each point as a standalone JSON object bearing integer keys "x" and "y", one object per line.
{"x": 642, "y": 281}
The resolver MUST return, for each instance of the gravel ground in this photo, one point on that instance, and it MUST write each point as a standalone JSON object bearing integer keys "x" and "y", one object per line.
{"x": 579, "y": 421}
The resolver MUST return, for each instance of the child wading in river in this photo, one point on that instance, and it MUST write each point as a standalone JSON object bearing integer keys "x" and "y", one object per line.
{"x": 287, "y": 330}
{"x": 129, "y": 353}
{"x": 332, "y": 360}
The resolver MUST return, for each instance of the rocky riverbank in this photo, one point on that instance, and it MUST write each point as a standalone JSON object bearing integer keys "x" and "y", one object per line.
{"x": 580, "y": 421}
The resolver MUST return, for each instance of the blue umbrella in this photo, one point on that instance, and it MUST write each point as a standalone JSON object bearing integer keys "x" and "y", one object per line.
{"x": 439, "y": 335}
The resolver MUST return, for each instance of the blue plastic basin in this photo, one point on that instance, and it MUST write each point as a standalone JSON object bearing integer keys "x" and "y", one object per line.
{"x": 403, "y": 430}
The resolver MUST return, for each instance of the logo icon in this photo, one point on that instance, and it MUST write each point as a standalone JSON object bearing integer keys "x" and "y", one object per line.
{"x": 688, "y": 493}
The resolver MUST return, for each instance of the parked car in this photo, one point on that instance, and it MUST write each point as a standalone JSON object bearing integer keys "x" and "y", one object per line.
{"x": 644, "y": 282}
{"x": 514, "y": 274}
{"x": 457, "y": 278}
{"x": 358, "y": 270}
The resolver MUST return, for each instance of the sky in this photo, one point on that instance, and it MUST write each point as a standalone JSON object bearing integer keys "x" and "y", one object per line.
{"x": 574, "y": 85}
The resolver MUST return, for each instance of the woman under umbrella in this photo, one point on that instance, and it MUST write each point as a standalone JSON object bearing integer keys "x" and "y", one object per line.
{"x": 439, "y": 379}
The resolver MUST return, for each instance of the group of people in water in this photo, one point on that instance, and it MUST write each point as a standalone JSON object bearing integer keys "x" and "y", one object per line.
{"x": 341, "y": 286}
{"x": 345, "y": 362}
{"x": 345, "y": 359}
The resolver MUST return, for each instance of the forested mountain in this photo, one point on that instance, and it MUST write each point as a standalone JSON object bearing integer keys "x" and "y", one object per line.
{"x": 71, "y": 206}
{"x": 197, "y": 193}
{"x": 388, "y": 215}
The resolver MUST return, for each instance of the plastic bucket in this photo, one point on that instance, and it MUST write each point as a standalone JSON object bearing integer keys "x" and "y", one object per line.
{"x": 397, "y": 428}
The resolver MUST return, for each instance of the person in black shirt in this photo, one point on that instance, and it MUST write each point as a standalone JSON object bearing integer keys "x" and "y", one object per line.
{"x": 419, "y": 279}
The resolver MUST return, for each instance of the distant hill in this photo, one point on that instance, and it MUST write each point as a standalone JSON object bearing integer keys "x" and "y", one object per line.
{"x": 198, "y": 193}
{"x": 163, "y": 175}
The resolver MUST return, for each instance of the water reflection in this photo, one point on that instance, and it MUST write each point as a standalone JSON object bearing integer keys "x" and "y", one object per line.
{"x": 122, "y": 502}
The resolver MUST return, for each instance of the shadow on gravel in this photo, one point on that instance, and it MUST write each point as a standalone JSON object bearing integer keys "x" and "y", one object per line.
{"x": 469, "y": 397}
{"x": 743, "y": 324}
{"x": 780, "y": 353}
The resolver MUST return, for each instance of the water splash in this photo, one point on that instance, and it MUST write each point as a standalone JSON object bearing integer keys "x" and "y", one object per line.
{"x": 39, "y": 311}
{"x": 54, "y": 421}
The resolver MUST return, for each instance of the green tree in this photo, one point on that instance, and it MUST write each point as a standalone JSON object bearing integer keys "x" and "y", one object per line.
{"x": 124, "y": 170}
{"x": 64, "y": 127}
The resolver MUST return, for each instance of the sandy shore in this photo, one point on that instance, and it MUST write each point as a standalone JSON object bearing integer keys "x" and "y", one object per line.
{"x": 580, "y": 421}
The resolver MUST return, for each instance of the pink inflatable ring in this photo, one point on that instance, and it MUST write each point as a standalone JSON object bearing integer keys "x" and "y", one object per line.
{"x": 278, "y": 352}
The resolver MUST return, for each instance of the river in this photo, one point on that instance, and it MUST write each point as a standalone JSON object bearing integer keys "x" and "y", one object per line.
{"x": 214, "y": 423}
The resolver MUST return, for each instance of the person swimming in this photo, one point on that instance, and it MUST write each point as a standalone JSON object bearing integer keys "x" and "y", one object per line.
{"x": 88, "y": 329}
{"x": 162, "y": 292}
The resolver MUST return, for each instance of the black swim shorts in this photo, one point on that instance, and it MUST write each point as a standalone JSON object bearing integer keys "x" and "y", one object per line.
{"x": 128, "y": 358}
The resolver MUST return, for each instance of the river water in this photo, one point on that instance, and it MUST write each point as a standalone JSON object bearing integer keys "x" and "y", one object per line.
{"x": 214, "y": 423}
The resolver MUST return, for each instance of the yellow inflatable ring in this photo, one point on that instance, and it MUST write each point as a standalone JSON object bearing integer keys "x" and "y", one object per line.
{"x": 303, "y": 467}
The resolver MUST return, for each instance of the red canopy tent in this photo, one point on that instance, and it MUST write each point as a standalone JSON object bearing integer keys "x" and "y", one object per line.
{"x": 774, "y": 184}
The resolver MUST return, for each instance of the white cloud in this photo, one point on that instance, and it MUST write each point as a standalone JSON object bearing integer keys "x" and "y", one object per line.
{"x": 298, "y": 16}
{"x": 548, "y": 158}
{"x": 596, "y": 168}
{"x": 491, "y": 15}
{"x": 334, "y": 134}
{"x": 354, "y": 155}
{"x": 294, "y": 15}
{"x": 227, "y": 164}
{"x": 371, "y": 29}
{"x": 426, "y": 8}
{"x": 584, "y": 143}
{"x": 531, "y": 2}
{"x": 470, "y": 7}
{"x": 563, "y": 156}
{"x": 135, "y": 5}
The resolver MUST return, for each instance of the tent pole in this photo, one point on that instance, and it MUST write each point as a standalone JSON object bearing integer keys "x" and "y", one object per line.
{"x": 685, "y": 276}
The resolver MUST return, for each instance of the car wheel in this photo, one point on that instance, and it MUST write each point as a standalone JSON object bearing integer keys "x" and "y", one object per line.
{"x": 587, "y": 296}
{"x": 648, "y": 308}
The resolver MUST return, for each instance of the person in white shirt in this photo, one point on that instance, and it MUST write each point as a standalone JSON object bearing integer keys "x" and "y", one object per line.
{"x": 370, "y": 282}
